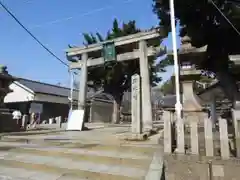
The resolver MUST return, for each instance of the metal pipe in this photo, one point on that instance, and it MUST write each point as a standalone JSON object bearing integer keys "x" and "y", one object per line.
{"x": 178, "y": 105}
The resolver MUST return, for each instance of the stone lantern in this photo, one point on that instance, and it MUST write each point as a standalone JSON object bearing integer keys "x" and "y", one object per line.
{"x": 6, "y": 121}
{"x": 189, "y": 57}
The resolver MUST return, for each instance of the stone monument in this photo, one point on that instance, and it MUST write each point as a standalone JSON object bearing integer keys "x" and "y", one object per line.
{"x": 7, "y": 123}
{"x": 136, "y": 104}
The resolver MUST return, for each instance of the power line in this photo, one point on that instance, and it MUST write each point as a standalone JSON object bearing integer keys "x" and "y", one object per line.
{"x": 69, "y": 18}
{"x": 34, "y": 37}
{"x": 79, "y": 15}
{"x": 231, "y": 24}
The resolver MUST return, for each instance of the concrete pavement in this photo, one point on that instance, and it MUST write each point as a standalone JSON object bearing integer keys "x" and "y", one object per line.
{"x": 94, "y": 155}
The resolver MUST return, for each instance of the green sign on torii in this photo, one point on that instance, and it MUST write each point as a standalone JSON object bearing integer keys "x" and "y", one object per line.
{"x": 109, "y": 52}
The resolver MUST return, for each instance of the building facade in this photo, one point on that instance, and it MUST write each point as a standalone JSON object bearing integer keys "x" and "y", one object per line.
{"x": 53, "y": 99}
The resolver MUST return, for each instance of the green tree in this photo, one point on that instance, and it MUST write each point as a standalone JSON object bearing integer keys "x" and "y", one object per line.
{"x": 168, "y": 87}
{"x": 205, "y": 25}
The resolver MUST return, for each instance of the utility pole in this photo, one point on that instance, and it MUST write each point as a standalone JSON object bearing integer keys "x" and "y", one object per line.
{"x": 178, "y": 105}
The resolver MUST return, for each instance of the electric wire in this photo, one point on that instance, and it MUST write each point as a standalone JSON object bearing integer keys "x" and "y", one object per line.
{"x": 29, "y": 32}
{"x": 230, "y": 23}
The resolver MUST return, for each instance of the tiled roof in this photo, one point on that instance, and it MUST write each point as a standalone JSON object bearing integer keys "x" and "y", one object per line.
{"x": 50, "y": 89}
{"x": 44, "y": 88}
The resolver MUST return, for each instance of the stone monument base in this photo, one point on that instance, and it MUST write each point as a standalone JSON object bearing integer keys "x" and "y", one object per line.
{"x": 7, "y": 123}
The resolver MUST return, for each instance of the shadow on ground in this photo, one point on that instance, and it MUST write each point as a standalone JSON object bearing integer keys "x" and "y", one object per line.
{"x": 163, "y": 173}
{"x": 32, "y": 132}
{"x": 6, "y": 148}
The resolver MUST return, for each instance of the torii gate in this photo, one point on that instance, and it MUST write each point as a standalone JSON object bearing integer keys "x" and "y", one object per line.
{"x": 137, "y": 46}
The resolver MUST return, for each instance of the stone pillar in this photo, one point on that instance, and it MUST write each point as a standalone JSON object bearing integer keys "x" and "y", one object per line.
{"x": 213, "y": 111}
{"x": 31, "y": 119}
{"x": 236, "y": 124}
{"x": 83, "y": 82}
{"x": 167, "y": 132}
{"x": 90, "y": 113}
{"x": 223, "y": 130}
{"x": 24, "y": 121}
{"x": 56, "y": 120}
{"x": 173, "y": 116}
{"x": 50, "y": 121}
{"x": 136, "y": 104}
{"x": 116, "y": 113}
{"x": 145, "y": 87}
{"x": 180, "y": 136}
{"x": 59, "y": 121}
{"x": 194, "y": 137}
{"x": 208, "y": 135}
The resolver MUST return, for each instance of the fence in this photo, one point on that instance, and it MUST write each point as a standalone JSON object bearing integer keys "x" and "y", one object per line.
{"x": 199, "y": 150}
{"x": 197, "y": 135}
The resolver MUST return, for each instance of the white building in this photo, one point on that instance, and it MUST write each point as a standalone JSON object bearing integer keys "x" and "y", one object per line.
{"x": 54, "y": 99}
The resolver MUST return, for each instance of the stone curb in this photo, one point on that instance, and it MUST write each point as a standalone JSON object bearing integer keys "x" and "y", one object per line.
{"x": 155, "y": 171}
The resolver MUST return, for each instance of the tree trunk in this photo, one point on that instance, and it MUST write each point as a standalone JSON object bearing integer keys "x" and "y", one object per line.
{"x": 116, "y": 109}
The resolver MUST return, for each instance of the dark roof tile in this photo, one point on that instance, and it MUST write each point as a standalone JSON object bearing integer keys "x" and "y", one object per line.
{"x": 44, "y": 88}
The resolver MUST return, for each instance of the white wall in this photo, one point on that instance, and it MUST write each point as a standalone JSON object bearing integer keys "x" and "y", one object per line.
{"x": 19, "y": 94}
{"x": 22, "y": 94}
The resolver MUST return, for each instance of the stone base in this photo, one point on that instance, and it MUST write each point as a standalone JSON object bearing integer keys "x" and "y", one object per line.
{"x": 137, "y": 137}
{"x": 189, "y": 167}
{"x": 133, "y": 137}
{"x": 7, "y": 123}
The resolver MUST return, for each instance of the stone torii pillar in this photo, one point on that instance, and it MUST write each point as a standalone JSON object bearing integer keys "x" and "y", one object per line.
{"x": 83, "y": 83}
{"x": 147, "y": 118}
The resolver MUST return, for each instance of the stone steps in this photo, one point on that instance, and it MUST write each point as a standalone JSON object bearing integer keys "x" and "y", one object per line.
{"x": 73, "y": 160}
{"x": 136, "y": 148}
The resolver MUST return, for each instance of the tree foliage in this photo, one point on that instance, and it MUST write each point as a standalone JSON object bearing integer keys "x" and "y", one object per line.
{"x": 168, "y": 87}
{"x": 205, "y": 25}
{"x": 115, "y": 78}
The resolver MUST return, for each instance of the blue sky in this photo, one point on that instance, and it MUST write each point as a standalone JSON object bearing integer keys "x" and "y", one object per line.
{"x": 58, "y": 23}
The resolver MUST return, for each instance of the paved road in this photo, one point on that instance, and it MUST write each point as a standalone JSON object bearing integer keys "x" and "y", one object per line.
{"x": 94, "y": 155}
